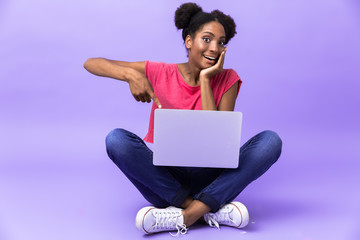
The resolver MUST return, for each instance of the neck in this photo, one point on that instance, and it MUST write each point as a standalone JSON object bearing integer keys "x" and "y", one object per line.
{"x": 191, "y": 73}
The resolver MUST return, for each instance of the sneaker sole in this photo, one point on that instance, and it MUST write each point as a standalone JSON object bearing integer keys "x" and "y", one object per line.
{"x": 244, "y": 214}
{"x": 139, "y": 220}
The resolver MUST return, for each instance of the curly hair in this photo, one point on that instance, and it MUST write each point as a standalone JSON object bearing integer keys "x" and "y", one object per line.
{"x": 190, "y": 18}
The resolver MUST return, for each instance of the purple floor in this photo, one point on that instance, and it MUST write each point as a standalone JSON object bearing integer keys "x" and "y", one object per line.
{"x": 299, "y": 64}
{"x": 54, "y": 190}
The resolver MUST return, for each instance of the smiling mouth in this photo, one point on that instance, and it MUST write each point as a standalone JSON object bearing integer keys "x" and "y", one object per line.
{"x": 212, "y": 59}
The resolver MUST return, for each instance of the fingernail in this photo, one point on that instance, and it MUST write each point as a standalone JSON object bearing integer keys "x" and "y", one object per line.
{"x": 159, "y": 106}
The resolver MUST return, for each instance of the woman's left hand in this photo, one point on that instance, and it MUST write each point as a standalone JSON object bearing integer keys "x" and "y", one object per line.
{"x": 208, "y": 73}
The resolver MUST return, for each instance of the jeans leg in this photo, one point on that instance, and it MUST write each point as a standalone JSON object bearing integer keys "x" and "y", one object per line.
{"x": 256, "y": 157}
{"x": 134, "y": 158}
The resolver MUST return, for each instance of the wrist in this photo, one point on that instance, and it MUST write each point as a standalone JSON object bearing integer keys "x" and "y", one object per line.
{"x": 131, "y": 75}
{"x": 204, "y": 78}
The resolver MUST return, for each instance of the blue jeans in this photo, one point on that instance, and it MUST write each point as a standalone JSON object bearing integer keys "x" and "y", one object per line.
{"x": 169, "y": 186}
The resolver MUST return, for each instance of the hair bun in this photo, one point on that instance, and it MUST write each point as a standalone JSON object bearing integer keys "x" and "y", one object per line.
{"x": 184, "y": 13}
{"x": 228, "y": 22}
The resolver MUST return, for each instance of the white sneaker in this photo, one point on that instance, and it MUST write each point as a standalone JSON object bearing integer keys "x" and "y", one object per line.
{"x": 151, "y": 220}
{"x": 233, "y": 214}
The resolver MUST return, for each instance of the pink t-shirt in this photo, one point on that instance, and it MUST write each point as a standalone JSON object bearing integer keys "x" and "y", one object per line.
{"x": 174, "y": 93}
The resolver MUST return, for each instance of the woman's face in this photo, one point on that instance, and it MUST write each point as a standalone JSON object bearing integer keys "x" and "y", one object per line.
{"x": 205, "y": 48}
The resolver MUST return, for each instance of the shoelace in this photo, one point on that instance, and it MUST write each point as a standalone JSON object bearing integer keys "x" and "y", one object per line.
{"x": 166, "y": 220}
{"x": 220, "y": 216}
{"x": 182, "y": 229}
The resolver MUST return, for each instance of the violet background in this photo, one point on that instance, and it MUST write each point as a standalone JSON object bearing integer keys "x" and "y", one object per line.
{"x": 299, "y": 62}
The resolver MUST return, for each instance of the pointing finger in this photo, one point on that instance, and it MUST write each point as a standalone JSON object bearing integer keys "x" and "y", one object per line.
{"x": 155, "y": 99}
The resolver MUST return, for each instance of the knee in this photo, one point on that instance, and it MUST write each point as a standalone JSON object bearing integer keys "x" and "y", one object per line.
{"x": 274, "y": 143}
{"x": 114, "y": 141}
{"x": 114, "y": 136}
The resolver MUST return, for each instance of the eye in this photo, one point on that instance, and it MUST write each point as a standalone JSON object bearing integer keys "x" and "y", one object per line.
{"x": 206, "y": 39}
{"x": 222, "y": 43}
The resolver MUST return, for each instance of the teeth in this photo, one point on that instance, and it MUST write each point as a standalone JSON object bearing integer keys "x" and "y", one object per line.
{"x": 210, "y": 58}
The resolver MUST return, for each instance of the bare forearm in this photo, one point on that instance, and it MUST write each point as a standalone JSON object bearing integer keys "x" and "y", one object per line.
{"x": 207, "y": 97}
{"x": 106, "y": 68}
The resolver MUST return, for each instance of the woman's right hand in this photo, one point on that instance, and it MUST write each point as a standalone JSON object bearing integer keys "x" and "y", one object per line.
{"x": 131, "y": 72}
{"x": 142, "y": 90}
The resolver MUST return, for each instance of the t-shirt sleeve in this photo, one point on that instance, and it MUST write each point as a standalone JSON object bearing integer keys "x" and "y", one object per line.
{"x": 232, "y": 78}
{"x": 153, "y": 70}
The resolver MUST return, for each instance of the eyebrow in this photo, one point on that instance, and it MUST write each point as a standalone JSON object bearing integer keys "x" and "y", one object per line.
{"x": 213, "y": 34}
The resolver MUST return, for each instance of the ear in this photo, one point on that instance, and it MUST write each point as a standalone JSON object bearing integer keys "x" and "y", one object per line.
{"x": 188, "y": 42}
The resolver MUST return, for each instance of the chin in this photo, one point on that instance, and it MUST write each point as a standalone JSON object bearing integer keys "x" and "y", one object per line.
{"x": 203, "y": 65}
{"x": 207, "y": 65}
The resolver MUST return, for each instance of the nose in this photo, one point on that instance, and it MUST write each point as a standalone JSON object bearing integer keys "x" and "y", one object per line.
{"x": 214, "y": 47}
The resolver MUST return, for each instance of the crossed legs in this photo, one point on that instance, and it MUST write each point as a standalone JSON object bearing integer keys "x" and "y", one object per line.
{"x": 161, "y": 188}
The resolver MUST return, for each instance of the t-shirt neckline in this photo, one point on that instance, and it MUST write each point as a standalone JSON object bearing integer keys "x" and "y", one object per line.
{"x": 183, "y": 80}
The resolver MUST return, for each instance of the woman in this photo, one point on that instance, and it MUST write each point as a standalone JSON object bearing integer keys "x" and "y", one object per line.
{"x": 181, "y": 196}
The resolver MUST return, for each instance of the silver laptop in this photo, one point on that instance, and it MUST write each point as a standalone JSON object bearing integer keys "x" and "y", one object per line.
{"x": 196, "y": 138}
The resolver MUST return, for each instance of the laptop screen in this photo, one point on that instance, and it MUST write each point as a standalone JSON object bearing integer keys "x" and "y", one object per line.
{"x": 197, "y": 138}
